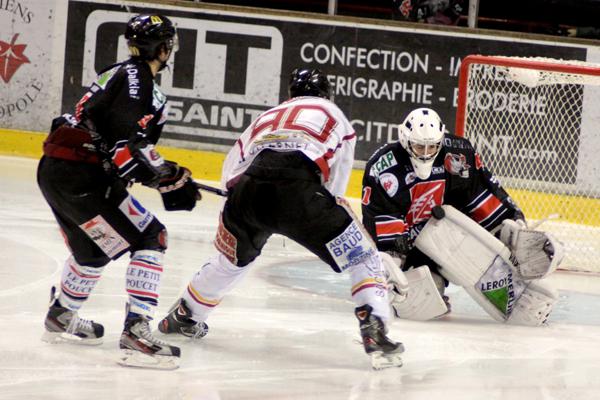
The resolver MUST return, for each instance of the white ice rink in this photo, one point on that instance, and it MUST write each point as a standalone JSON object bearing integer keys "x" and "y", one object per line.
{"x": 286, "y": 332}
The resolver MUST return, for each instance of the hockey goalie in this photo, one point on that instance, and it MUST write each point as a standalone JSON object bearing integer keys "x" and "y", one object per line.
{"x": 479, "y": 240}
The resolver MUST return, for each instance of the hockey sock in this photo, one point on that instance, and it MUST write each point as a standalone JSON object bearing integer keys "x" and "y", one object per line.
{"x": 210, "y": 284}
{"x": 143, "y": 281}
{"x": 369, "y": 287}
{"x": 77, "y": 282}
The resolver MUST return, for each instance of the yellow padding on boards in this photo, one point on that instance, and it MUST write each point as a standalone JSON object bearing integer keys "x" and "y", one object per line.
{"x": 575, "y": 209}
{"x": 205, "y": 165}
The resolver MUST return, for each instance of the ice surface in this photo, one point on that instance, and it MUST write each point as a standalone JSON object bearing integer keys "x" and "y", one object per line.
{"x": 286, "y": 332}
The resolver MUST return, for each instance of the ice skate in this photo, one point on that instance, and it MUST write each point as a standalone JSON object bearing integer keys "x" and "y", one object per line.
{"x": 64, "y": 326}
{"x": 179, "y": 320}
{"x": 384, "y": 352}
{"x": 140, "y": 349}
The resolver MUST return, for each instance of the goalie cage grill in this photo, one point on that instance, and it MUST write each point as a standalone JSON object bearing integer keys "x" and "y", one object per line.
{"x": 536, "y": 123}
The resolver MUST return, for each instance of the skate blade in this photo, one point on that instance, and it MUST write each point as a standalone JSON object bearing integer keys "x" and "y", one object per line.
{"x": 63, "y": 337}
{"x": 137, "y": 359}
{"x": 380, "y": 360}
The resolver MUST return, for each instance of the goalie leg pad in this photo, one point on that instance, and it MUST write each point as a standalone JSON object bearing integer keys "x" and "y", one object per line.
{"x": 422, "y": 301}
{"x": 535, "y": 254}
{"x": 473, "y": 258}
{"x": 534, "y": 305}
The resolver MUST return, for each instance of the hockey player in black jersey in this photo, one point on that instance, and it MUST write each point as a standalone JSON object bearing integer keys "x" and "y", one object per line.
{"x": 404, "y": 181}
{"x": 90, "y": 159}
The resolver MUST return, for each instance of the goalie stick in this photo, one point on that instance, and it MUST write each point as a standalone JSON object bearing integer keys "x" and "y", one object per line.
{"x": 217, "y": 191}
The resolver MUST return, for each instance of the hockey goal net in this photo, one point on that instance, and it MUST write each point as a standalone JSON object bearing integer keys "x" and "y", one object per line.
{"x": 536, "y": 124}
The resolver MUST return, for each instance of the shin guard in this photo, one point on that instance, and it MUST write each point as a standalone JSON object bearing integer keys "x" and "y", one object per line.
{"x": 77, "y": 282}
{"x": 143, "y": 281}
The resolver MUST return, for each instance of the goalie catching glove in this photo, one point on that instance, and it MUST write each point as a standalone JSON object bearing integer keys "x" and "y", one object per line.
{"x": 535, "y": 254}
{"x": 179, "y": 191}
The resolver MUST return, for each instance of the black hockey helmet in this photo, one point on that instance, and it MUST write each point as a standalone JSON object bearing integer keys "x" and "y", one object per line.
{"x": 308, "y": 82}
{"x": 145, "y": 34}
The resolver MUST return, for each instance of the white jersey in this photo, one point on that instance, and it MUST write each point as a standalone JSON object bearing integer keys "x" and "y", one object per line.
{"x": 312, "y": 125}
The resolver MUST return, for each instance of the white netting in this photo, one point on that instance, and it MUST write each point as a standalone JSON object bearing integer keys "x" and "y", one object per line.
{"x": 538, "y": 129}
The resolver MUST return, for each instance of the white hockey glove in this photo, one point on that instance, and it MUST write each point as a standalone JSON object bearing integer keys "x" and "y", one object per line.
{"x": 535, "y": 254}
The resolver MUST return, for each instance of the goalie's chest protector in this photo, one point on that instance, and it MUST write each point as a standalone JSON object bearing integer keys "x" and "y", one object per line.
{"x": 452, "y": 181}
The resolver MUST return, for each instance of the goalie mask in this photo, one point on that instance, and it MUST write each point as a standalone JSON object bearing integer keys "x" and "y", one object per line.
{"x": 421, "y": 135}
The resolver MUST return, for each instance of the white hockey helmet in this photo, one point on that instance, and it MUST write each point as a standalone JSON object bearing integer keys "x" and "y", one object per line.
{"x": 421, "y": 135}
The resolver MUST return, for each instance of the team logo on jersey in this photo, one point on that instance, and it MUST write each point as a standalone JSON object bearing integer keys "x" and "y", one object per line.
{"x": 389, "y": 183}
{"x": 425, "y": 196}
{"x": 136, "y": 213}
{"x": 105, "y": 236}
{"x": 410, "y": 177}
{"x": 384, "y": 162}
{"x": 456, "y": 164}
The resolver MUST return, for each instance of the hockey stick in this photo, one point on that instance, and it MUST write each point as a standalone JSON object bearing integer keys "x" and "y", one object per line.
{"x": 201, "y": 186}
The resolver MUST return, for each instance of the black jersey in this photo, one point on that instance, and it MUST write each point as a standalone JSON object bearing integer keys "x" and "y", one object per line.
{"x": 124, "y": 102}
{"x": 397, "y": 204}
{"x": 127, "y": 109}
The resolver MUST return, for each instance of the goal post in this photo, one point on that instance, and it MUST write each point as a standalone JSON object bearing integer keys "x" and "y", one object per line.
{"x": 536, "y": 124}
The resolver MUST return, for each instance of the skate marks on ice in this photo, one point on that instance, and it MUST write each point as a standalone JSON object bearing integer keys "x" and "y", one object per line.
{"x": 577, "y": 305}
{"x": 25, "y": 268}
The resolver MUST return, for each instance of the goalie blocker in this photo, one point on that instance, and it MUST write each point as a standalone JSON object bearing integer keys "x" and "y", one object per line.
{"x": 503, "y": 280}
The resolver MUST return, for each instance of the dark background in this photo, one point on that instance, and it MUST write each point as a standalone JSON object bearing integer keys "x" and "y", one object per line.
{"x": 440, "y": 48}
{"x": 535, "y": 16}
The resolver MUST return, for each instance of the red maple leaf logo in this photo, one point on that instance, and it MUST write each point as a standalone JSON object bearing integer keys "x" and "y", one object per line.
{"x": 11, "y": 58}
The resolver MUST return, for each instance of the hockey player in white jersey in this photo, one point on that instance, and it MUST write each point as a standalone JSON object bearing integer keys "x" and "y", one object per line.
{"x": 287, "y": 174}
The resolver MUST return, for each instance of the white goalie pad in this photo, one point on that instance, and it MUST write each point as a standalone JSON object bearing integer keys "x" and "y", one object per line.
{"x": 412, "y": 294}
{"x": 534, "y": 305}
{"x": 422, "y": 301}
{"x": 471, "y": 257}
{"x": 535, "y": 254}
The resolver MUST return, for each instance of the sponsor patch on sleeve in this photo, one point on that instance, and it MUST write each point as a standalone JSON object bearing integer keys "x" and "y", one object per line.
{"x": 384, "y": 162}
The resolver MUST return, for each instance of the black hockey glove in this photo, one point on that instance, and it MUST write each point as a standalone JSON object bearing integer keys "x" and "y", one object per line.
{"x": 178, "y": 191}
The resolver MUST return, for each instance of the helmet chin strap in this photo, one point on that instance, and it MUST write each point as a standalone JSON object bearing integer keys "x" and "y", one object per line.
{"x": 163, "y": 65}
